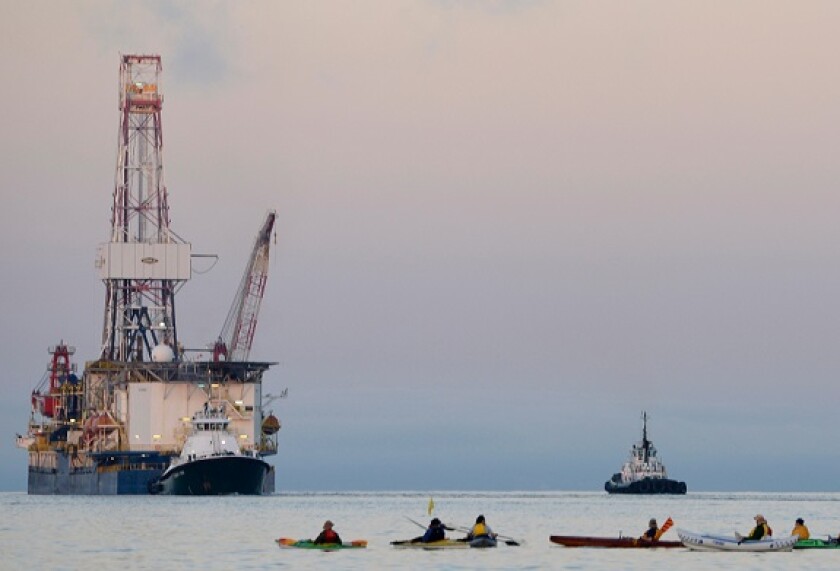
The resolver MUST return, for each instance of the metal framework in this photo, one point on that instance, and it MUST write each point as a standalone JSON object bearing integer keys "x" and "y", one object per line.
{"x": 144, "y": 264}
{"x": 237, "y": 336}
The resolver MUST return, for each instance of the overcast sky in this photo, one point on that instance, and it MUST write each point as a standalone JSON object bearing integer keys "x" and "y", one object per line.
{"x": 505, "y": 228}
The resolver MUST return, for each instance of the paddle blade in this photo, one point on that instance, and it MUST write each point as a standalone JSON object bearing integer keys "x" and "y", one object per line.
{"x": 512, "y": 543}
{"x": 665, "y": 527}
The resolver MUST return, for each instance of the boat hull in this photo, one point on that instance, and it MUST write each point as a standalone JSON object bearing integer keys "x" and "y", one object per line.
{"x": 288, "y": 543}
{"x": 705, "y": 542}
{"x": 816, "y": 544}
{"x": 483, "y": 541}
{"x": 443, "y": 544}
{"x": 648, "y": 486}
{"x": 217, "y": 475}
{"x": 613, "y": 542}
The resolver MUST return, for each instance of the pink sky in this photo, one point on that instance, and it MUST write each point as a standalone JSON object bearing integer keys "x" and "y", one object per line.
{"x": 545, "y": 216}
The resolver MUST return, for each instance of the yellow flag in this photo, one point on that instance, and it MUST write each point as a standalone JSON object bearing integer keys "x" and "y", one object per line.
{"x": 431, "y": 505}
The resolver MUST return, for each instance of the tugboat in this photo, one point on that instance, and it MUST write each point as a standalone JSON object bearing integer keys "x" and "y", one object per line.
{"x": 644, "y": 473}
{"x": 211, "y": 462}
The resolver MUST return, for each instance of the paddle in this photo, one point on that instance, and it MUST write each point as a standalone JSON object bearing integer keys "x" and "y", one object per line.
{"x": 665, "y": 527}
{"x": 509, "y": 541}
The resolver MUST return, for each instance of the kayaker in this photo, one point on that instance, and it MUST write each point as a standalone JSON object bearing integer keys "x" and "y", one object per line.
{"x": 652, "y": 533}
{"x": 480, "y": 529}
{"x": 328, "y": 535}
{"x": 800, "y": 529}
{"x": 761, "y": 530}
{"x": 435, "y": 532}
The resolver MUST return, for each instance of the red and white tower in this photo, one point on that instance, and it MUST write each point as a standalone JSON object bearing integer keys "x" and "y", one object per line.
{"x": 145, "y": 263}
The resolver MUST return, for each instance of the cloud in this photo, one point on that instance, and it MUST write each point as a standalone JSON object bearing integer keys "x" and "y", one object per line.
{"x": 197, "y": 40}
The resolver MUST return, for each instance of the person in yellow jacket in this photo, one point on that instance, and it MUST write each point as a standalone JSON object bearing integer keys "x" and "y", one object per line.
{"x": 480, "y": 529}
{"x": 800, "y": 529}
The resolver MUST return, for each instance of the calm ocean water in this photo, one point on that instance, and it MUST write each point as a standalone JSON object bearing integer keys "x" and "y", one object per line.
{"x": 225, "y": 533}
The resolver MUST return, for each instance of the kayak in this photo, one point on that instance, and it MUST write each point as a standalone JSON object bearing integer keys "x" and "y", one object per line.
{"x": 705, "y": 542}
{"x": 286, "y": 542}
{"x": 483, "y": 541}
{"x": 627, "y": 542}
{"x": 442, "y": 544}
{"x": 816, "y": 544}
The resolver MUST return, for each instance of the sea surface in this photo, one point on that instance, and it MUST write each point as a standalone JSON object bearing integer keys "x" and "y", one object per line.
{"x": 238, "y": 532}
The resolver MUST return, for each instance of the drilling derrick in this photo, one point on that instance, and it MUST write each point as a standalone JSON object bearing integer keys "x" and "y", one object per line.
{"x": 234, "y": 343}
{"x": 144, "y": 264}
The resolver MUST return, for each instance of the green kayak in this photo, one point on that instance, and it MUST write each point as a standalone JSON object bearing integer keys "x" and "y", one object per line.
{"x": 309, "y": 544}
{"x": 816, "y": 544}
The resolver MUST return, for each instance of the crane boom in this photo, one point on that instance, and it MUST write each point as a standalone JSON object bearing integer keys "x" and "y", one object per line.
{"x": 234, "y": 342}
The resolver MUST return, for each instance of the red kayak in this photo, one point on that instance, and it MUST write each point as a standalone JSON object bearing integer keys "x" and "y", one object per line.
{"x": 631, "y": 542}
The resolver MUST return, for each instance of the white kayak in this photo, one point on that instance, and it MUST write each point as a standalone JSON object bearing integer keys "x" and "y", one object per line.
{"x": 706, "y": 542}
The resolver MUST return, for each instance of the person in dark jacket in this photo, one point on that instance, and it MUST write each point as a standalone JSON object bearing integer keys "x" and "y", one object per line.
{"x": 328, "y": 535}
{"x": 652, "y": 533}
{"x": 435, "y": 532}
{"x": 760, "y": 531}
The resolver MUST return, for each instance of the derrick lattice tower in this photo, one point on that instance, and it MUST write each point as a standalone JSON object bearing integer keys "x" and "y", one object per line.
{"x": 144, "y": 263}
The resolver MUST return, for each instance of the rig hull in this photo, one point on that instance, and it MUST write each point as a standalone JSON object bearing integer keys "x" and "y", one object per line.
{"x": 62, "y": 473}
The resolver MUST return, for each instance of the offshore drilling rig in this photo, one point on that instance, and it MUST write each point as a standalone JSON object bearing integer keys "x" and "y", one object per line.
{"x": 116, "y": 428}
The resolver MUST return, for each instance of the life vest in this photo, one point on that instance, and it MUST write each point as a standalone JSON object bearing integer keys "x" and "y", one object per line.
{"x": 330, "y": 536}
{"x": 763, "y": 526}
{"x": 479, "y": 529}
